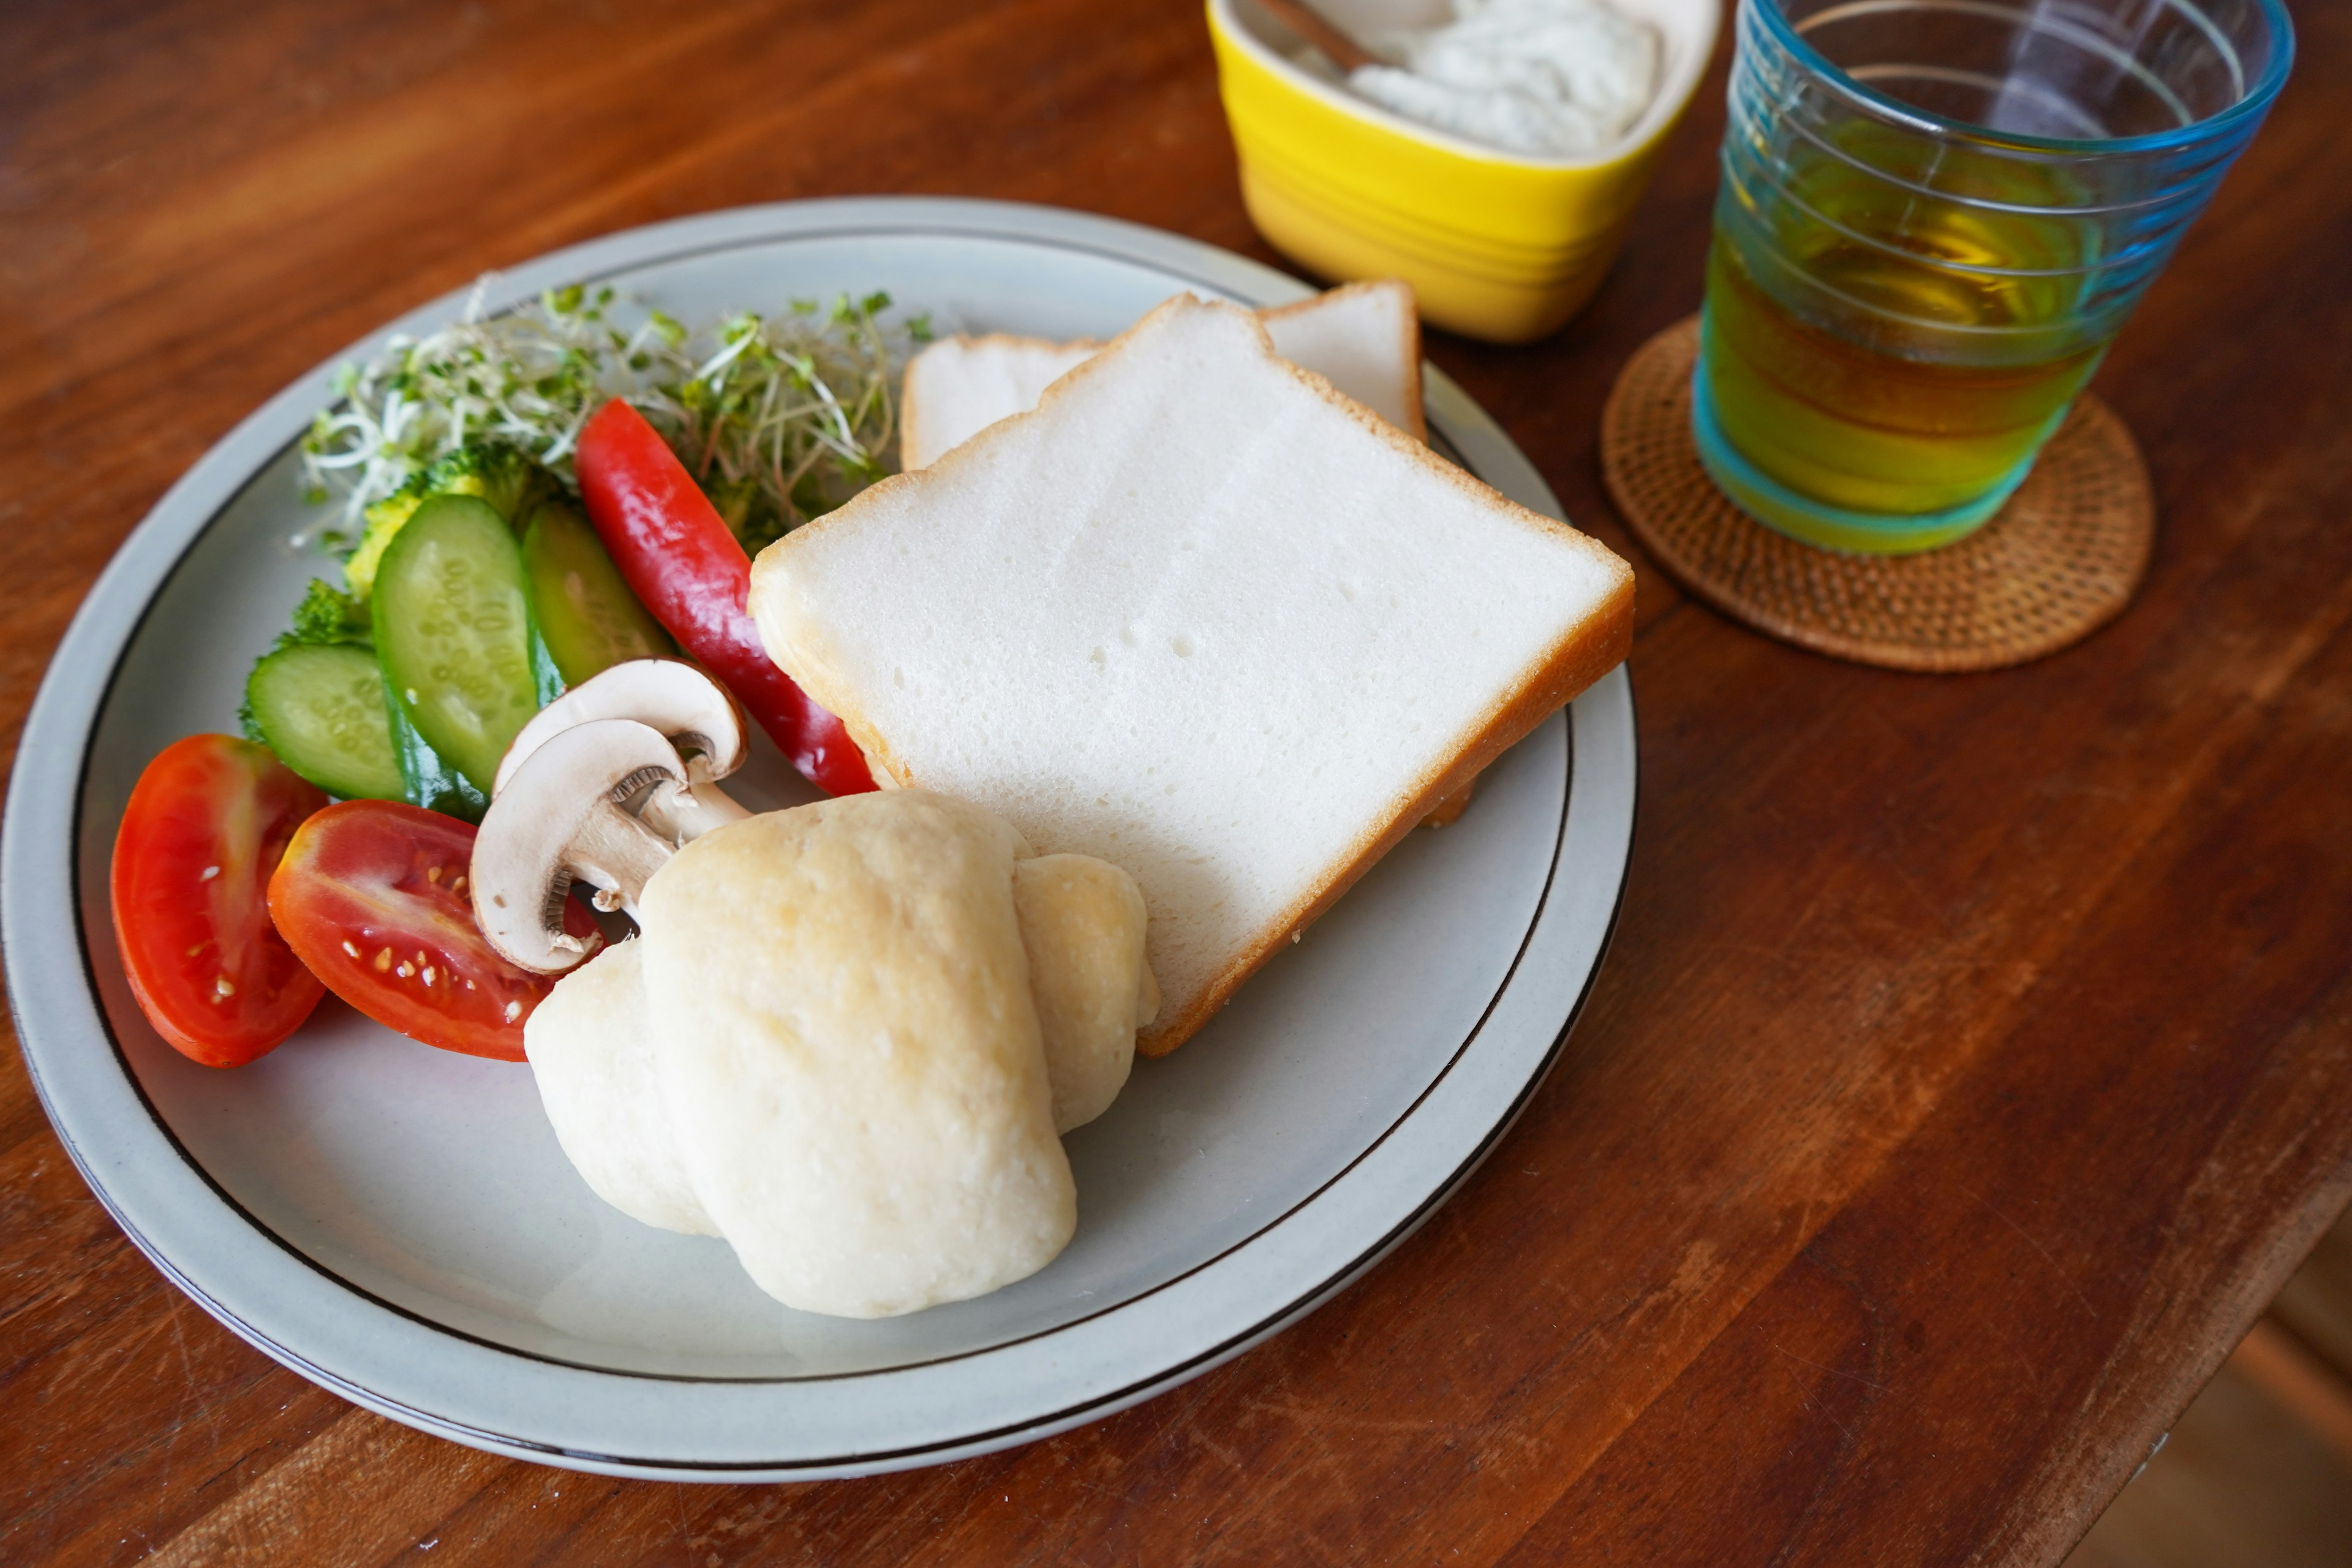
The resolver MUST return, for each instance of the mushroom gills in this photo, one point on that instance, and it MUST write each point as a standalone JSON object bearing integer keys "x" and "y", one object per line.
{"x": 606, "y": 803}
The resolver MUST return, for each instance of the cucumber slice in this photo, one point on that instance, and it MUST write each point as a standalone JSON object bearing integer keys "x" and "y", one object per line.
{"x": 546, "y": 682}
{"x": 430, "y": 782}
{"x": 321, "y": 708}
{"x": 453, "y": 632}
{"x": 585, "y": 610}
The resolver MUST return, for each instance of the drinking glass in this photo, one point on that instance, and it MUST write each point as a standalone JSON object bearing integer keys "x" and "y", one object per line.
{"x": 1935, "y": 216}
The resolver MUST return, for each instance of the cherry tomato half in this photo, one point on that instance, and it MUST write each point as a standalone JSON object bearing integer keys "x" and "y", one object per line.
{"x": 204, "y": 830}
{"x": 372, "y": 893}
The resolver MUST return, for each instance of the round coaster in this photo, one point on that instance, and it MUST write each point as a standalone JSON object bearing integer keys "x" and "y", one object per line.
{"x": 2062, "y": 559}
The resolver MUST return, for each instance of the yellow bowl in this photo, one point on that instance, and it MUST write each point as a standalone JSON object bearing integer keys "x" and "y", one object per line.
{"x": 1494, "y": 244}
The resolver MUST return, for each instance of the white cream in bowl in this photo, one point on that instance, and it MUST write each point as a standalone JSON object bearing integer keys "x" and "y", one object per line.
{"x": 1543, "y": 77}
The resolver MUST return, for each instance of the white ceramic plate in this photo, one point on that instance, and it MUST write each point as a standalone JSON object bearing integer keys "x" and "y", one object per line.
{"x": 398, "y": 1225}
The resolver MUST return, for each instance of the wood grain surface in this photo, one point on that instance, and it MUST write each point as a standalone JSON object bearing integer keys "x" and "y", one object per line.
{"x": 1971, "y": 1065}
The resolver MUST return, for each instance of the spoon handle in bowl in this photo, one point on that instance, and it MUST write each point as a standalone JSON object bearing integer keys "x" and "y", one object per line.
{"x": 1318, "y": 30}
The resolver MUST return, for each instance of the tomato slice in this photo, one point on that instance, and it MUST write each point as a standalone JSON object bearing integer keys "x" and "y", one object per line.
{"x": 372, "y": 893}
{"x": 204, "y": 830}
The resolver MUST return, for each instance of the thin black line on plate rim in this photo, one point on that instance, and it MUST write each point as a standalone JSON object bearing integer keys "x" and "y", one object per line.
{"x": 234, "y": 1206}
{"x": 237, "y": 1208}
{"x": 1133, "y": 1393}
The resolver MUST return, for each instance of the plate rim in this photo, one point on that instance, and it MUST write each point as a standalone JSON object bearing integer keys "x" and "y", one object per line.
{"x": 1598, "y": 802}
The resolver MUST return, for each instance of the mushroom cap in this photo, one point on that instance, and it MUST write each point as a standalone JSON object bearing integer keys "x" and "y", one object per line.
{"x": 563, "y": 816}
{"x": 675, "y": 698}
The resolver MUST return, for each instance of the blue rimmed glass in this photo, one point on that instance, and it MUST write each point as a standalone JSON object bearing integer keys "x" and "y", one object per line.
{"x": 1935, "y": 216}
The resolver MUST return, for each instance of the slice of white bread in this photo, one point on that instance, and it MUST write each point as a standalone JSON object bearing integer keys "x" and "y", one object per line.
{"x": 959, "y": 386}
{"x": 1202, "y": 617}
{"x": 1364, "y": 339}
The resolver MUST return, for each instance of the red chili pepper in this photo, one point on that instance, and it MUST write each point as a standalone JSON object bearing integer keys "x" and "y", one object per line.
{"x": 675, "y": 555}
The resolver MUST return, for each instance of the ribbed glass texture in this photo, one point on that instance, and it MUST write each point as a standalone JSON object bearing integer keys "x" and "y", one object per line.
{"x": 1935, "y": 216}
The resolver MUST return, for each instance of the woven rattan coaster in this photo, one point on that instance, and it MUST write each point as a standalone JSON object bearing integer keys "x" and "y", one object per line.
{"x": 2062, "y": 559}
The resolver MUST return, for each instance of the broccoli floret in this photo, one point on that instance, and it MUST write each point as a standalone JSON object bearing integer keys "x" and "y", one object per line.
{"x": 385, "y": 518}
{"x": 501, "y": 476}
{"x": 327, "y": 617}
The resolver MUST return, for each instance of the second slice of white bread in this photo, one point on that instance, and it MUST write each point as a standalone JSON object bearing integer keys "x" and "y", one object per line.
{"x": 959, "y": 386}
{"x": 1200, "y": 616}
{"x": 1362, "y": 337}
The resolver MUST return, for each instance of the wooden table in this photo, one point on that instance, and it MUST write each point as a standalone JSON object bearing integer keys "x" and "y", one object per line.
{"x": 1970, "y": 1066}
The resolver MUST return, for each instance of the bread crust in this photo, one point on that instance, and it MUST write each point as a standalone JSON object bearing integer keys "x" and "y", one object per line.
{"x": 1590, "y": 651}
{"x": 1585, "y": 651}
{"x": 1418, "y": 426}
{"x": 916, "y": 437}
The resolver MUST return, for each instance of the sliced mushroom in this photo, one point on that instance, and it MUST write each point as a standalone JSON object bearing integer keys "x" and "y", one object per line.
{"x": 607, "y": 803}
{"x": 668, "y": 694}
